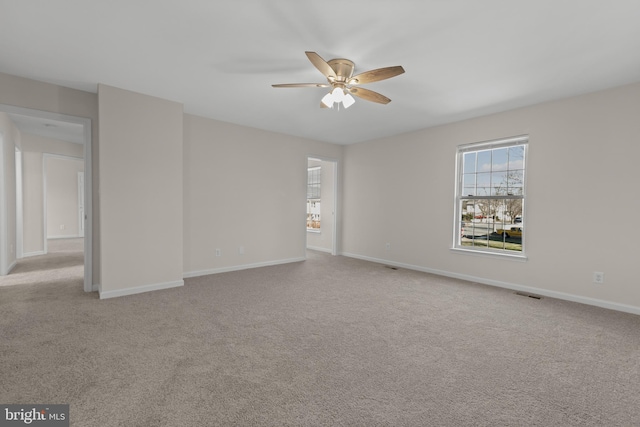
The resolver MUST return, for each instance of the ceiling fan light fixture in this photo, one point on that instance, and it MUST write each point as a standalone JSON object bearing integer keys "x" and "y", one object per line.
{"x": 337, "y": 96}
{"x": 348, "y": 101}
{"x": 328, "y": 100}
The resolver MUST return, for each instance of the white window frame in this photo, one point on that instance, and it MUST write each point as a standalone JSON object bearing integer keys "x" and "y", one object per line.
{"x": 460, "y": 197}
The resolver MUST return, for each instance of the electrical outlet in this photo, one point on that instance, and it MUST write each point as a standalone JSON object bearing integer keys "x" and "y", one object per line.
{"x": 387, "y": 246}
{"x": 241, "y": 250}
{"x": 598, "y": 277}
{"x": 61, "y": 226}
{"x": 218, "y": 252}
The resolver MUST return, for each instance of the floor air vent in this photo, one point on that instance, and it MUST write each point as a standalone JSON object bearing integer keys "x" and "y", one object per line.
{"x": 524, "y": 294}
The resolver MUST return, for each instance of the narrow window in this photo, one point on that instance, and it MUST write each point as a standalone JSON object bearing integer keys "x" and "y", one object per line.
{"x": 490, "y": 196}
{"x": 314, "y": 175}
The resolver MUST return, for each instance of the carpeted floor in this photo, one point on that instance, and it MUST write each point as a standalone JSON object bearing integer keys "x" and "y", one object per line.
{"x": 64, "y": 262}
{"x": 331, "y": 341}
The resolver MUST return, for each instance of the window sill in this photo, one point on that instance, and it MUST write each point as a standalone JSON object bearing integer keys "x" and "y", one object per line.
{"x": 475, "y": 252}
{"x": 313, "y": 230}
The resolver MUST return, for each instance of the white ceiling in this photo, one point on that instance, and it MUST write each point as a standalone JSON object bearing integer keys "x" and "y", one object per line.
{"x": 463, "y": 58}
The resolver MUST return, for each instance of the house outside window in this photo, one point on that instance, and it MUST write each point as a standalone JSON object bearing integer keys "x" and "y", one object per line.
{"x": 314, "y": 176}
{"x": 490, "y": 196}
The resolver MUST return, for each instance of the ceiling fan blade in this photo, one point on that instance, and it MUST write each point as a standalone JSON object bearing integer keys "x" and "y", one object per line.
{"x": 369, "y": 95}
{"x": 302, "y": 85}
{"x": 321, "y": 65}
{"x": 376, "y": 75}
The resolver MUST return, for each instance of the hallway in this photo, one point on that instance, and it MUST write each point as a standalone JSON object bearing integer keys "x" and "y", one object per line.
{"x": 64, "y": 262}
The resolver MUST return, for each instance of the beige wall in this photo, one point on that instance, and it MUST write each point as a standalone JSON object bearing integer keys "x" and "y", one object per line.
{"x": 32, "y": 203}
{"x": 141, "y": 174}
{"x": 581, "y": 206}
{"x": 130, "y": 123}
{"x": 33, "y": 149}
{"x": 323, "y": 239}
{"x": 582, "y": 172}
{"x": 27, "y": 93}
{"x": 10, "y": 139}
{"x": 244, "y": 187}
{"x": 63, "y": 219}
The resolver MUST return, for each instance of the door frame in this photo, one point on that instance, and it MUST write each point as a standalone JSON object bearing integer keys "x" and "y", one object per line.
{"x": 3, "y": 212}
{"x": 19, "y": 206}
{"x": 88, "y": 191}
{"x": 80, "y": 204}
{"x": 334, "y": 217}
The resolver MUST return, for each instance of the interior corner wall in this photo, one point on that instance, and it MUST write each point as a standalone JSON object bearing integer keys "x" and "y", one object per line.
{"x": 26, "y": 93}
{"x": 246, "y": 188}
{"x": 580, "y": 207}
{"x": 141, "y": 192}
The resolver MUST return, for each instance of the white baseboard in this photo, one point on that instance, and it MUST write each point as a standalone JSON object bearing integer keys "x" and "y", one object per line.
{"x": 139, "y": 289}
{"x": 529, "y": 289}
{"x": 71, "y": 236}
{"x": 36, "y": 253}
{"x": 319, "y": 249}
{"x": 95, "y": 287}
{"x": 13, "y": 264}
{"x": 239, "y": 267}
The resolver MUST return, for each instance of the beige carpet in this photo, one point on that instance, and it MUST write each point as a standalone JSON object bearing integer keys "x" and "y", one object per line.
{"x": 330, "y": 341}
{"x": 64, "y": 262}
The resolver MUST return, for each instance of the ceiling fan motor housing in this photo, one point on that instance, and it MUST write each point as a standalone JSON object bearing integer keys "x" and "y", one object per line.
{"x": 343, "y": 69}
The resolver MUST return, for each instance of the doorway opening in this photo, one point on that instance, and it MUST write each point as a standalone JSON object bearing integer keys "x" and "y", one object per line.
{"x": 322, "y": 184}
{"x": 47, "y": 144}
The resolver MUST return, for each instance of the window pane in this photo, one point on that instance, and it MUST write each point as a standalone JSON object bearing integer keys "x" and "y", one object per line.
{"x": 476, "y": 211}
{"x": 516, "y": 157}
{"x": 497, "y": 211}
{"x": 515, "y": 180}
{"x": 483, "y": 184}
{"x": 513, "y": 211}
{"x": 484, "y": 161}
{"x": 500, "y": 159}
{"x": 473, "y": 230}
{"x": 469, "y": 180}
{"x": 498, "y": 183}
{"x": 516, "y": 190}
{"x": 469, "y": 184}
{"x": 469, "y": 161}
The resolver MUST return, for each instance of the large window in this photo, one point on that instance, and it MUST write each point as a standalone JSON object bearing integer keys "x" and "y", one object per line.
{"x": 490, "y": 196}
{"x": 314, "y": 175}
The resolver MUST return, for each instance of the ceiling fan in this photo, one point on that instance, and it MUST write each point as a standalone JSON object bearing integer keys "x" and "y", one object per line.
{"x": 343, "y": 84}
